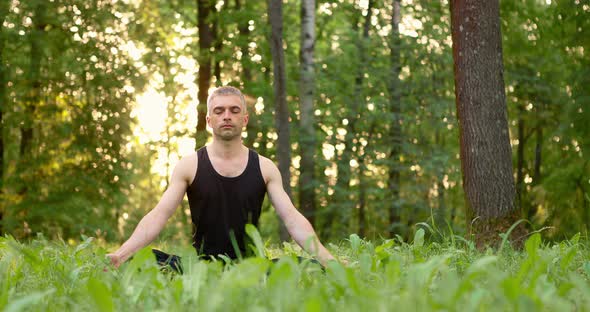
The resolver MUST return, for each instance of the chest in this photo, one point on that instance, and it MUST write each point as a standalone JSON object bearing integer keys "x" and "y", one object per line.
{"x": 229, "y": 167}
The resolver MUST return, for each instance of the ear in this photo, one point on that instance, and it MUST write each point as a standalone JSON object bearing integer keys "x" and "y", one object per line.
{"x": 208, "y": 119}
{"x": 246, "y": 119}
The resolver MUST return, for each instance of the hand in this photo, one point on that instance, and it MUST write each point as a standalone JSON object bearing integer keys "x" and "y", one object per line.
{"x": 115, "y": 259}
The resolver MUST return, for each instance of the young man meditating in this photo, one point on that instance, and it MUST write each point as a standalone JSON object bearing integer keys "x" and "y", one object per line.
{"x": 225, "y": 183}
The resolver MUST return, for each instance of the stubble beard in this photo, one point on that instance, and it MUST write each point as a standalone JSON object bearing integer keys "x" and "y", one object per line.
{"x": 227, "y": 136}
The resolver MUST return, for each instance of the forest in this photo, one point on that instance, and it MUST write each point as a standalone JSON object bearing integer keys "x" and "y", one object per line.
{"x": 437, "y": 148}
{"x": 356, "y": 101}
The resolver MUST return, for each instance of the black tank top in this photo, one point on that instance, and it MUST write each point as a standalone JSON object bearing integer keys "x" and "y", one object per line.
{"x": 222, "y": 206}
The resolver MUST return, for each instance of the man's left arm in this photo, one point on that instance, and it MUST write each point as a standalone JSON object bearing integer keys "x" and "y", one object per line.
{"x": 297, "y": 225}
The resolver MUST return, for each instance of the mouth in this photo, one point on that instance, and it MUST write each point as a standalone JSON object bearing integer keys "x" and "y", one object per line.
{"x": 227, "y": 127}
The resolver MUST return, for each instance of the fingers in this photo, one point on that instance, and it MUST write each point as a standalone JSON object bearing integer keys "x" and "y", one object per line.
{"x": 114, "y": 259}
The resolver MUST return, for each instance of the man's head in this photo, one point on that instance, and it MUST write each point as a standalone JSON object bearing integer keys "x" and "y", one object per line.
{"x": 226, "y": 91}
{"x": 227, "y": 113}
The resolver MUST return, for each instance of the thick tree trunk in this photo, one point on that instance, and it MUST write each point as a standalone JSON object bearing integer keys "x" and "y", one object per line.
{"x": 395, "y": 131}
{"x": 275, "y": 13}
{"x": 483, "y": 124}
{"x": 307, "y": 142}
{"x": 206, "y": 38}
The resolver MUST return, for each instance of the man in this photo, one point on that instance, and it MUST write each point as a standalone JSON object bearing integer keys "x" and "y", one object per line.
{"x": 225, "y": 184}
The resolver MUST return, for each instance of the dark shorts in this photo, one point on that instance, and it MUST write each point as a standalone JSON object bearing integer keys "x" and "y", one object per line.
{"x": 172, "y": 262}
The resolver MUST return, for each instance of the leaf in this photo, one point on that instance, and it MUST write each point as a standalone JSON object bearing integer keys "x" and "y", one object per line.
{"x": 27, "y": 301}
{"x": 258, "y": 247}
{"x": 282, "y": 272}
{"x": 101, "y": 294}
{"x": 314, "y": 304}
{"x": 506, "y": 236}
{"x": 482, "y": 264}
{"x": 84, "y": 245}
{"x": 355, "y": 243}
{"x": 532, "y": 244}
{"x": 419, "y": 238}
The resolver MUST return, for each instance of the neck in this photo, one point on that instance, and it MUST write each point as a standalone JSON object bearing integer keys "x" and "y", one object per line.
{"x": 226, "y": 149}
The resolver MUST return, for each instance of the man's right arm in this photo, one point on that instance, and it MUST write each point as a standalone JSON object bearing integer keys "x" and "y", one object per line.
{"x": 152, "y": 223}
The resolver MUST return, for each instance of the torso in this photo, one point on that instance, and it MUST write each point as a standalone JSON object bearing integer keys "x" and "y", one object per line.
{"x": 224, "y": 195}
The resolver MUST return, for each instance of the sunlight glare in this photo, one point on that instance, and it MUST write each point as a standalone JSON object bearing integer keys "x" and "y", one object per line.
{"x": 151, "y": 113}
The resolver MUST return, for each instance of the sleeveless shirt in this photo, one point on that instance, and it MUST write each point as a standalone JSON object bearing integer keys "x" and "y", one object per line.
{"x": 222, "y": 206}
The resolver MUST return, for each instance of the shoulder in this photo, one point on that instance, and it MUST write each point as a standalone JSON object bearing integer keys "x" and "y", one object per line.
{"x": 186, "y": 167}
{"x": 268, "y": 168}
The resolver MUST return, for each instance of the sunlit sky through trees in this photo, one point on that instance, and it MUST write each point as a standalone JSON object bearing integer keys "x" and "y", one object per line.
{"x": 151, "y": 105}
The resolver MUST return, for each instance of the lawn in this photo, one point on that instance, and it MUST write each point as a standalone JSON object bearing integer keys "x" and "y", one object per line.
{"x": 448, "y": 275}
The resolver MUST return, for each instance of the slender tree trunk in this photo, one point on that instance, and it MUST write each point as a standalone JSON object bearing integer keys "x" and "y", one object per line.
{"x": 520, "y": 159}
{"x": 362, "y": 206}
{"x": 34, "y": 78}
{"x": 486, "y": 160}
{"x": 246, "y": 74}
{"x": 538, "y": 149}
{"x": 346, "y": 205}
{"x": 245, "y": 38}
{"x": 307, "y": 142}
{"x": 3, "y": 98}
{"x": 532, "y": 209}
{"x": 395, "y": 131}
{"x": 169, "y": 136}
{"x": 218, "y": 40}
{"x": 206, "y": 38}
{"x": 362, "y": 219}
{"x": 440, "y": 212}
{"x": 275, "y": 13}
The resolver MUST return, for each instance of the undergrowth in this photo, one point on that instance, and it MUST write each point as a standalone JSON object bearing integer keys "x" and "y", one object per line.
{"x": 389, "y": 275}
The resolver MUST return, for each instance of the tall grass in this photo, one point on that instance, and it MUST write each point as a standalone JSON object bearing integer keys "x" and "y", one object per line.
{"x": 389, "y": 276}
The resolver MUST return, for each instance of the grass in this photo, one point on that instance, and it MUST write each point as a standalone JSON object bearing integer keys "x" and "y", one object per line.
{"x": 391, "y": 275}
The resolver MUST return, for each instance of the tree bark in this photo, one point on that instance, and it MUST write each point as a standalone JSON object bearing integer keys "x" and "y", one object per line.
{"x": 395, "y": 131}
{"x": 483, "y": 124}
{"x": 532, "y": 208}
{"x": 218, "y": 42}
{"x": 3, "y": 98}
{"x": 34, "y": 78}
{"x": 206, "y": 38}
{"x": 246, "y": 74}
{"x": 275, "y": 13}
{"x": 520, "y": 158}
{"x": 307, "y": 142}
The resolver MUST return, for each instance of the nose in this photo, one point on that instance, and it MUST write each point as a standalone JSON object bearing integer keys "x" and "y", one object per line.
{"x": 226, "y": 115}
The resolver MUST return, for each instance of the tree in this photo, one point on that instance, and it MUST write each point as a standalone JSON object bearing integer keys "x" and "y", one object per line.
{"x": 481, "y": 108}
{"x": 275, "y": 14}
{"x": 3, "y": 12}
{"x": 306, "y": 98}
{"x": 395, "y": 109}
{"x": 206, "y": 41}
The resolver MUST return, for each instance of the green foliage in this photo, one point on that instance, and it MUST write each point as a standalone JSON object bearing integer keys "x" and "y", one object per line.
{"x": 425, "y": 276}
{"x": 84, "y": 172}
